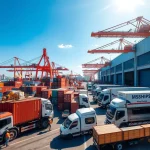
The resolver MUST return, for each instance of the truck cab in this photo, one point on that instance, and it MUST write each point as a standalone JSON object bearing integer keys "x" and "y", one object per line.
{"x": 84, "y": 101}
{"x": 104, "y": 98}
{"x": 47, "y": 108}
{"x": 6, "y": 122}
{"x": 79, "y": 123}
{"x": 117, "y": 113}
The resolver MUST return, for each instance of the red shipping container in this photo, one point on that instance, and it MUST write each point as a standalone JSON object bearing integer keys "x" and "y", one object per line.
{"x": 68, "y": 96}
{"x": 61, "y": 106}
{"x": 24, "y": 110}
{"x": 76, "y": 94}
{"x": 5, "y": 88}
{"x": 74, "y": 106}
{"x": 61, "y": 92}
{"x": 39, "y": 89}
{"x": 67, "y": 106}
{"x": 60, "y": 99}
{"x": 18, "y": 84}
{"x": 46, "y": 93}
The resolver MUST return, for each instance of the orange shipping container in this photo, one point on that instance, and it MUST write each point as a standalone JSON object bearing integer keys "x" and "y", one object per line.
{"x": 61, "y": 92}
{"x": 1, "y": 84}
{"x": 39, "y": 89}
{"x": 24, "y": 110}
{"x": 68, "y": 96}
{"x": 6, "y": 88}
{"x": 74, "y": 106}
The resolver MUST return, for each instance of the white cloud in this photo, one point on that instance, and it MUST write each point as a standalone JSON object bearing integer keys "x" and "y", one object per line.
{"x": 106, "y": 7}
{"x": 65, "y": 46}
{"x": 79, "y": 66}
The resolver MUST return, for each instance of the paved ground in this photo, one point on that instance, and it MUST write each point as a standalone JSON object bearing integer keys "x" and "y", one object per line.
{"x": 45, "y": 140}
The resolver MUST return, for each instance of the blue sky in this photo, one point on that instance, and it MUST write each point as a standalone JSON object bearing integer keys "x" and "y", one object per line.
{"x": 63, "y": 27}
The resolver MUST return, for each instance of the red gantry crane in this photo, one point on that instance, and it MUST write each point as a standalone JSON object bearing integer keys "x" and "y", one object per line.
{"x": 43, "y": 66}
{"x": 123, "y": 47}
{"x": 141, "y": 29}
{"x": 102, "y": 63}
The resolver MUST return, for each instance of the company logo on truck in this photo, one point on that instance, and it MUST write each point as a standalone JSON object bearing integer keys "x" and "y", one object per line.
{"x": 140, "y": 96}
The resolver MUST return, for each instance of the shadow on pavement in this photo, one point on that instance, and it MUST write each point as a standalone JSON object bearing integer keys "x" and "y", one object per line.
{"x": 64, "y": 143}
{"x": 91, "y": 147}
{"x": 100, "y": 111}
{"x": 93, "y": 103}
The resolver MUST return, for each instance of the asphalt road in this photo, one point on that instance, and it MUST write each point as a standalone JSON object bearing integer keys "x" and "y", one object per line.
{"x": 50, "y": 140}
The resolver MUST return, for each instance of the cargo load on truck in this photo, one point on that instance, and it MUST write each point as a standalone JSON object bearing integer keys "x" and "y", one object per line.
{"x": 111, "y": 137}
{"x": 18, "y": 116}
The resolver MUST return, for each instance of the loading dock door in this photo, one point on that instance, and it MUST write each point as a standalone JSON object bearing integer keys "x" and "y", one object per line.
{"x": 144, "y": 77}
{"x": 112, "y": 79}
{"x": 119, "y": 78}
{"x": 129, "y": 78}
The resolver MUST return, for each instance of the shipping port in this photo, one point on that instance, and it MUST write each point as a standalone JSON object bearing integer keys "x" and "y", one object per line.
{"x": 75, "y": 75}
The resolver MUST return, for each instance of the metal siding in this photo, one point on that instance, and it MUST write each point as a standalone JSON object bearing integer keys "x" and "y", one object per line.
{"x": 144, "y": 77}
{"x": 129, "y": 64}
{"x": 119, "y": 78}
{"x": 112, "y": 70}
{"x": 143, "y": 59}
{"x": 119, "y": 67}
{"x": 112, "y": 79}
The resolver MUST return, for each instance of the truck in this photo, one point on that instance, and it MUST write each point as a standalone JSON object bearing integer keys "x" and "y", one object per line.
{"x": 89, "y": 86}
{"x": 83, "y": 101}
{"x": 79, "y": 123}
{"x": 109, "y": 137}
{"x": 129, "y": 109}
{"x": 25, "y": 114}
{"x": 107, "y": 95}
{"x": 98, "y": 90}
{"x": 82, "y": 91}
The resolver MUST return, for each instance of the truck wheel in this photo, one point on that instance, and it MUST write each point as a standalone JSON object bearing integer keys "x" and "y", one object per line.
{"x": 70, "y": 136}
{"x": 45, "y": 124}
{"x": 13, "y": 134}
{"x": 107, "y": 147}
{"x": 119, "y": 146}
{"x": 90, "y": 132}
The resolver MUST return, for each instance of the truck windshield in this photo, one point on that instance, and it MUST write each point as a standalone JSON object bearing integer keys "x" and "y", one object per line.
{"x": 101, "y": 97}
{"x": 67, "y": 123}
{"x": 110, "y": 112}
{"x": 48, "y": 107}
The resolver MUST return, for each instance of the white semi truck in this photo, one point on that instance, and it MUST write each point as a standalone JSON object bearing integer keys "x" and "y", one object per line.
{"x": 131, "y": 108}
{"x": 107, "y": 95}
{"x": 79, "y": 123}
{"x": 98, "y": 90}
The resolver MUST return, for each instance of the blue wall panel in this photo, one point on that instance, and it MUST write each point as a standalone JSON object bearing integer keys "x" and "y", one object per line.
{"x": 144, "y": 77}
{"x": 119, "y": 78}
{"x": 129, "y": 64}
{"x": 143, "y": 59}
{"x": 119, "y": 67}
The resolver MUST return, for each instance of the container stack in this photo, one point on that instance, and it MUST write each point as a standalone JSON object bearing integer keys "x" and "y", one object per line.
{"x": 16, "y": 84}
{"x": 61, "y": 93}
{"x": 74, "y": 105}
{"x": 61, "y": 82}
{"x": 55, "y": 96}
{"x": 68, "y": 96}
{"x": 31, "y": 90}
{"x": 55, "y": 83}
{"x": 39, "y": 90}
{"x": 46, "y": 93}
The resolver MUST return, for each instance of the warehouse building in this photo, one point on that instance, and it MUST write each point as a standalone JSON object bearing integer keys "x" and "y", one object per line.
{"x": 132, "y": 69}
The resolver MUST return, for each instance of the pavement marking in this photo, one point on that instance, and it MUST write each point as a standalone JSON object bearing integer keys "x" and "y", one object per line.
{"x": 32, "y": 137}
{"x": 85, "y": 145}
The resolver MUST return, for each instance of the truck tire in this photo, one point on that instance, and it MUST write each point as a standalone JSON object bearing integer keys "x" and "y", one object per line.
{"x": 13, "y": 134}
{"x": 118, "y": 146}
{"x": 90, "y": 132}
{"x": 45, "y": 123}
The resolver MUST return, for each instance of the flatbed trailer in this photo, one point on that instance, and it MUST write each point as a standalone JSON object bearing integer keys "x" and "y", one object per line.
{"x": 110, "y": 137}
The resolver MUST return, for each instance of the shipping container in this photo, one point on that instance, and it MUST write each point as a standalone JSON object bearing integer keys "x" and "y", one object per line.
{"x": 60, "y": 99}
{"x": 76, "y": 94}
{"x": 46, "y": 93}
{"x": 39, "y": 89}
{"x": 1, "y": 84}
{"x": 67, "y": 106}
{"x": 68, "y": 96}
{"x": 61, "y": 106}
{"x": 74, "y": 106}
{"x": 24, "y": 110}
{"x": 6, "y": 88}
{"x": 61, "y": 92}
{"x": 54, "y": 100}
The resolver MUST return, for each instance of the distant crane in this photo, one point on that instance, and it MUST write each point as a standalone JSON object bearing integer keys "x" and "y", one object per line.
{"x": 123, "y": 47}
{"x": 141, "y": 25}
